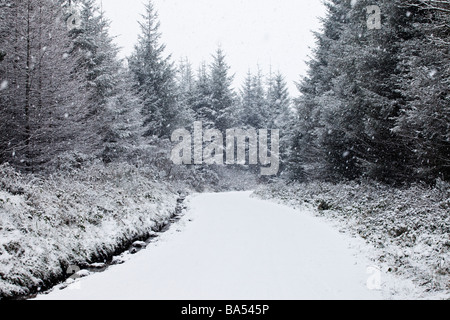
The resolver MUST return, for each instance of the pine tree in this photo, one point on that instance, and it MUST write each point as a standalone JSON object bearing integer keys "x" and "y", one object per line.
{"x": 222, "y": 94}
{"x": 309, "y": 157}
{"x": 6, "y": 12}
{"x": 351, "y": 98}
{"x": 280, "y": 115}
{"x": 122, "y": 124}
{"x": 202, "y": 105}
{"x": 254, "y": 107}
{"x": 4, "y": 7}
{"x": 154, "y": 76}
{"x": 185, "y": 94}
{"x": 424, "y": 121}
{"x": 248, "y": 116}
{"x": 98, "y": 55}
{"x": 113, "y": 102}
{"x": 379, "y": 149}
{"x": 43, "y": 103}
{"x": 260, "y": 102}
{"x": 279, "y": 102}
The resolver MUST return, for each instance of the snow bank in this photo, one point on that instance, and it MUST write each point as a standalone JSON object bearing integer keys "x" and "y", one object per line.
{"x": 409, "y": 226}
{"x": 74, "y": 219}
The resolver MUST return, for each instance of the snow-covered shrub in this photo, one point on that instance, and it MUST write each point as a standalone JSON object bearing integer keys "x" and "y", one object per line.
{"x": 70, "y": 161}
{"x": 199, "y": 178}
{"x": 74, "y": 217}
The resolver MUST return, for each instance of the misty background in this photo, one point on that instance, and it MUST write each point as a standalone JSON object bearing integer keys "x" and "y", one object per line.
{"x": 265, "y": 32}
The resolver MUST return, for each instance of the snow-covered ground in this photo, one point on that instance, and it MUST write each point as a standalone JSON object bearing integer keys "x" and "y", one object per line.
{"x": 232, "y": 246}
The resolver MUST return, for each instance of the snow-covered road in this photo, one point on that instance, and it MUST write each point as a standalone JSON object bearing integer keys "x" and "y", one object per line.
{"x": 230, "y": 246}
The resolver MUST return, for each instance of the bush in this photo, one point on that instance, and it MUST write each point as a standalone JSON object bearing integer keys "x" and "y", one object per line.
{"x": 73, "y": 217}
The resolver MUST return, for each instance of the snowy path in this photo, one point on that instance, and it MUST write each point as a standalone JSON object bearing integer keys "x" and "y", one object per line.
{"x": 230, "y": 246}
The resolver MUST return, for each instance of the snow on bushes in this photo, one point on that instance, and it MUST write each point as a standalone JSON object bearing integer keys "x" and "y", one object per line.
{"x": 73, "y": 217}
{"x": 409, "y": 226}
{"x": 85, "y": 211}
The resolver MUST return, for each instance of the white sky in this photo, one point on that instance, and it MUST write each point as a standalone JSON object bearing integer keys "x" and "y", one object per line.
{"x": 267, "y": 33}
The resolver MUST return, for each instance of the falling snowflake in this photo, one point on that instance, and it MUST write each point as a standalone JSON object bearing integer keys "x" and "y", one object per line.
{"x": 3, "y": 85}
{"x": 432, "y": 73}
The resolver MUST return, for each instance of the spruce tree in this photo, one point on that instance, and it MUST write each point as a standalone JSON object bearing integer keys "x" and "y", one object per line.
{"x": 247, "y": 113}
{"x": 351, "y": 98}
{"x": 43, "y": 102}
{"x": 424, "y": 120}
{"x": 113, "y": 102}
{"x": 279, "y": 102}
{"x": 4, "y": 7}
{"x": 222, "y": 94}
{"x": 154, "y": 76}
{"x": 280, "y": 114}
{"x": 309, "y": 157}
{"x": 254, "y": 107}
{"x": 372, "y": 61}
{"x": 185, "y": 94}
{"x": 202, "y": 105}
{"x": 121, "y": 120}
{"x": 260, "y": 102}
